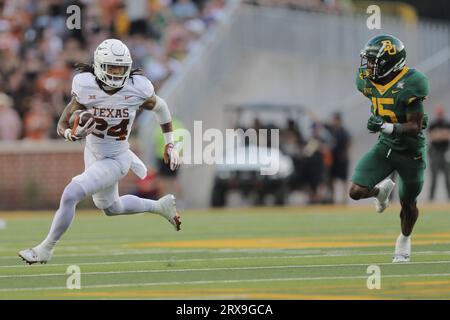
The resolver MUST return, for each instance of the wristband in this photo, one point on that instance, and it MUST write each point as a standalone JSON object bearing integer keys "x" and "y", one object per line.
{"x": 387, "y": 128}
{"x": 168, "y": 137}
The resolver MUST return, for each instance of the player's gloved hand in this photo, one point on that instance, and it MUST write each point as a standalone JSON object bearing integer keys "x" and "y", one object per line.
{"x": 375, "y": 123}
{"x": 86, "y": 129}
{"x": 424, "y": 121}
{"x": 69, "y": 136}
{"x": 171, "y": 156}
{"x": 80, "y": 131}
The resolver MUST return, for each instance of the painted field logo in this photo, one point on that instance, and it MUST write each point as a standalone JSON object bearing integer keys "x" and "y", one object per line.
{"x": 374, "y": 280}
{"x": 74, "y": 280}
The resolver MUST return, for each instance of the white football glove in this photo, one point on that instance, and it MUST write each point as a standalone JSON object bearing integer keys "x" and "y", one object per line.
{"x": 80, "y": 131}
{"x": 69, "y": 136}
{"x": 171, "y": 156}
{"x": 83, "y": 131}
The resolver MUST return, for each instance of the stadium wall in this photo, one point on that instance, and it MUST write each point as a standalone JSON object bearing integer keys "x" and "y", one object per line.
{"x": 33, "y": 175}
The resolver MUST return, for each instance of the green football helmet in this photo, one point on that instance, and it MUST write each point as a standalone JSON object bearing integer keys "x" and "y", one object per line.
{"x": 381, "y": 56}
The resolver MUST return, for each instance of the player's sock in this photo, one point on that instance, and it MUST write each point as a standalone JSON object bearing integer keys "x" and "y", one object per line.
{"x": 403, "y": 244}
{"x": 73, "y": 193}
{"x": 129, "y": 204}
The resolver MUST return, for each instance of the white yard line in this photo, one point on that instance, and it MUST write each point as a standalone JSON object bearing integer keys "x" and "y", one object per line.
{"x": 157, "y": 261}
{"x": 131, "y": 252}
{"x": 187, "y": 260}
{"x": 177, "y": 283}
{"x": 222, "y": 269}
{"x": 163, "y": 251}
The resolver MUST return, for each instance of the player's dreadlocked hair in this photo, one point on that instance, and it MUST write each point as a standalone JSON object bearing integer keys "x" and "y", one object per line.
{"x": 85, "y": 67}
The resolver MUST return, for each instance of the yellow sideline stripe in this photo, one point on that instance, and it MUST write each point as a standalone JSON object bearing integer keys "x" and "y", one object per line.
{"x": 428, "y": 283}
{"x": 389, "y": 292}
{"x": 435, "y": 292}
{"x": 289, "y": 242}
{"x": 309, "y": 296}
{"x": 233, "y": 293}
{"x": 360, "y": 236}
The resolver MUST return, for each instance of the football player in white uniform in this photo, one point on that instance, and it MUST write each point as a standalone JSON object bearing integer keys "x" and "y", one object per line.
{"x": 113, "y": 93}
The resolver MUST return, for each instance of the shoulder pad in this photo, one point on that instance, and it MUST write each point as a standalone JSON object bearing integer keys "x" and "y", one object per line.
{"x": 416, "y": 87}
{"x": 143, "y": 86}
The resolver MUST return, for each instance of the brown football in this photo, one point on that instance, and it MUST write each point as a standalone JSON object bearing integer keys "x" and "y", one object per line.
{"x": 79, "y": 118}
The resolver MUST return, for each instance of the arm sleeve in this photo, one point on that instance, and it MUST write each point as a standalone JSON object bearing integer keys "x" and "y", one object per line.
{"x": 162, "y": 111}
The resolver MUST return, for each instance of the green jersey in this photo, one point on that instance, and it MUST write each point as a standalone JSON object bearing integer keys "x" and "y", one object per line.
{"x": 394, "y": 100}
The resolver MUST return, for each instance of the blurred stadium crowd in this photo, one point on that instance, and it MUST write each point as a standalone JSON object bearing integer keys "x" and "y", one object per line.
{"x": 38, "y": 50}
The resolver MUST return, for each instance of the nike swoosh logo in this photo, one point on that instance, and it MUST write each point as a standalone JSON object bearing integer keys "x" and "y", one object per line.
{"x": 417, "y": 158}
{"x": 395, "y": 91}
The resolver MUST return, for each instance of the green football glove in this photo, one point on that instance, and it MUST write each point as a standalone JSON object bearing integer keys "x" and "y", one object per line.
{"x": 374, "y": 123}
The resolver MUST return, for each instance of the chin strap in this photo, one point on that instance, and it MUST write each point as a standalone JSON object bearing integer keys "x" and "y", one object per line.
{"x": 107, "y": 88}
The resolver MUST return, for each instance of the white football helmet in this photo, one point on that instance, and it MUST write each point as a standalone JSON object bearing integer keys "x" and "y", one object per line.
{"x": 112, "y": 52}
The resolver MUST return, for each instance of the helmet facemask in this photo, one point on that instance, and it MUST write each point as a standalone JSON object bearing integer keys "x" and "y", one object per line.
{"x": 369, "y": 65}
{"x": 113, "y": 75}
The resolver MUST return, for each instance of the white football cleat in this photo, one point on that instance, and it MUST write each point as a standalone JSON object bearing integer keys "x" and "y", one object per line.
{"x": 35, "y": 255}
{"x": 401, "y": 259}
{"x": 382, "y": 199}
{"x": 169, "y": 211}
{"x": 402, "y": 249}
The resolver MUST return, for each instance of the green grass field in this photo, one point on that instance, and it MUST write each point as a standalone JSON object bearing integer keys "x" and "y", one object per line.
{"x": 266, "y": 253}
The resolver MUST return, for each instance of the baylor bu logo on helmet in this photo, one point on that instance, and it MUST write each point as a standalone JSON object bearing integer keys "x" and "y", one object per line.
{"x": 389, "y": 47}
{"x": 112, "y": 54}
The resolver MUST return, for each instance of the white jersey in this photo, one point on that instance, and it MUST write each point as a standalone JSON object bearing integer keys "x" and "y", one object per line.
{"x": 114, "y": 113}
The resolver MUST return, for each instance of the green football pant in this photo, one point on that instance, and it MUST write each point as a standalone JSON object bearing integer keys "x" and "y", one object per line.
{"x": 381, "y": 161}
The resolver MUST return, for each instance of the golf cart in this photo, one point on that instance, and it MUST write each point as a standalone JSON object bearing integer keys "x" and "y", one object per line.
{"x": 239, "y": 174}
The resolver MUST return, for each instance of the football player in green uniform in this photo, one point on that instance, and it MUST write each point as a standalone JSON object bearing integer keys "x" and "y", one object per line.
{"x": 397, "y": 114}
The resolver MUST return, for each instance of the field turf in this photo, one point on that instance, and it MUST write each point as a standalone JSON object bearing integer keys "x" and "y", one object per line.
{"x": 259, "y": 253}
